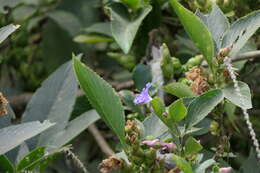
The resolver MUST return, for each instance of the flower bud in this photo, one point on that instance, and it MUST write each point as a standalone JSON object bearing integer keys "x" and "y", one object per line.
{"x": 225, "y": 170}
{"x": 166, "y": 62}
{"x": 127, "y": 61}
{"x": 214, "y": 128}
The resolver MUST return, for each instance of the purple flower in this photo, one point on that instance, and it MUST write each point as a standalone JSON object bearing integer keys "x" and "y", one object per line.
{"x": 144, "y": 96}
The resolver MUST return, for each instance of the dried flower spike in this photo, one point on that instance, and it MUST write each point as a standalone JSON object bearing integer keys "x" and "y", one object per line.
{"x": 144, "y": 96}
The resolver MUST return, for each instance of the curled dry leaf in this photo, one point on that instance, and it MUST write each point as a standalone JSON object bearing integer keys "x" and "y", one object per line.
{"x": 199, "y": 83}
{"x": 3, "y": 105}
{"x": 110, "y": 164}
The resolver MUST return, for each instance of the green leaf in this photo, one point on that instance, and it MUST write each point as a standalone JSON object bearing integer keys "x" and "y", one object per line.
{"x": 182, "y": 164}
{"x": 141, "y": 76}
{"x": 194, "y": 27}
{"x": 31, "y": 159}
{"x": 240, "y": 31}
{"x": 251, "y": 165}
{"x": 192, "y": 146}
{"x": 22, "y": 13}
{"x": 54, "y": 102}
{"x": 72, "y": 24}
{"x": 134, "y": 4}
{"x": 179, "y": 89}
{"x": 101, "y": 96}
{"x": 6, "y": 165}
{"x": 149, "y": 127}
{"x": 124, "y": 28}
{"x": 177, "y": 111}
{"x": 7, "y": 30}
{"x": 91, "y": 39}
{"x": 231, "y": 94}
{"x": 217, "y": 23}
{"x": 201, "y": 128}
{"x": 74, "y": 128}
{"x": 14, "y": 135}
{"x": 201, "y": 106}
{"x": 100, "y": 28}
{"x": 158, "y": 106}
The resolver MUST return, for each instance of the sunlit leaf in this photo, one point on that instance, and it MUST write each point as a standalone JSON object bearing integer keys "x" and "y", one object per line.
{"x": 101, "y": 96}
{"x": 195, "y": 28}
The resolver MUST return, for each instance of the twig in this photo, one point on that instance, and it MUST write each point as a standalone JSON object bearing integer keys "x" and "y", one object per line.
{"x": 100, "y": 140}
{"x": 241, "y": 57}
{"x": 247, "y": 56}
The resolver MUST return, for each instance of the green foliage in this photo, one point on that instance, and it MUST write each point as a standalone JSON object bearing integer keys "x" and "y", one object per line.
{"x": 60, "y": 91}
{"x": 73, "y": 128}
{"x": 100, "y": 94}
{"x": 217, "y": 24}
{"x": 201, "y": 106}
{"x": 158, "y": 106}
{"x": 124, "y": 28}
{"x": 192, "y": 146}
{"x": 30, "y": 160}
{"x": 14, "y": 135}
{"x": 231, "y": 94}
{"x": 182, "y": 164}
{"x": 6, "y": 165}
{"x": 179, "y": 89}
{"x": 158, "y": 136}
{"x": 240, "y": 31}
{"x": 177, "y": 111}
{"x": 193, "y": 25}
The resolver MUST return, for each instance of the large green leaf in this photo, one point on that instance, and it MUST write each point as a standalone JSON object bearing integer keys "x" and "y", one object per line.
{"x": 14, "y": 135}
{"x": 201, "y": 106}
{"x": 217, "y": 23}
{"x": 102, "y": 97}
{"x": 241, "y": 31}
{"x": 179, "y": 89}
{"x": 6, "y": 165}
{"x": 54, "y": 102}
{"x": 231, "y": 94}
{"x": 124, "y": 28}
{"x": 196, "y": 30}
{"x": 6, "y": 31}
{"x": 73, "y": 128}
